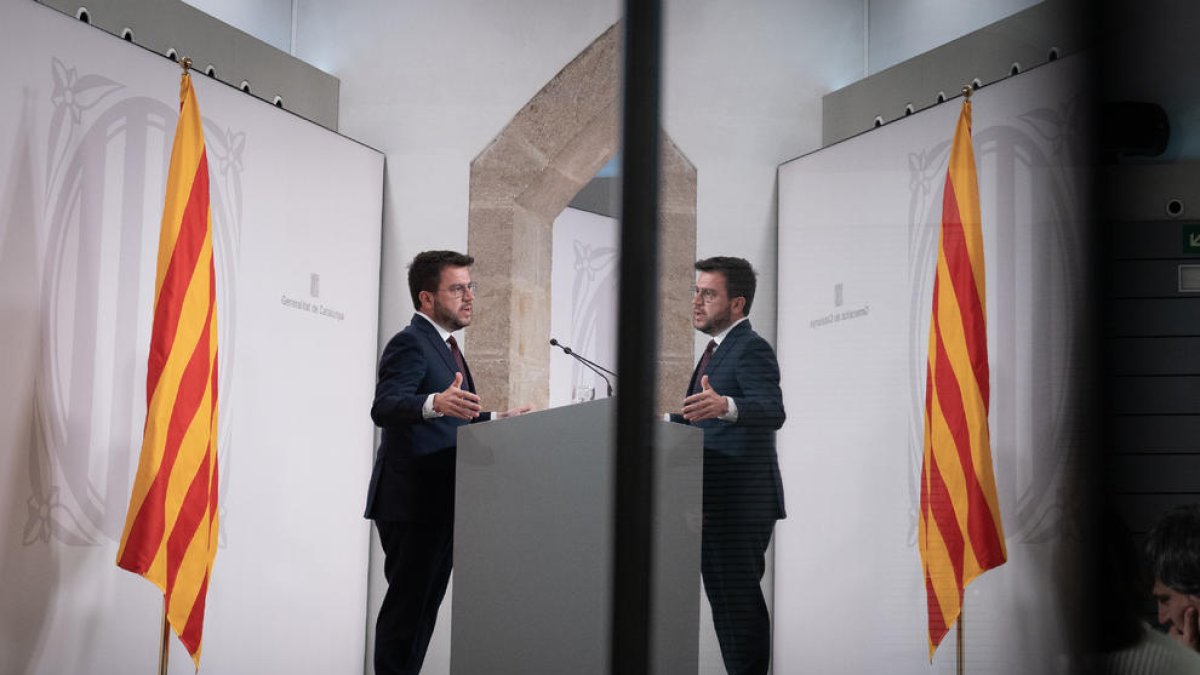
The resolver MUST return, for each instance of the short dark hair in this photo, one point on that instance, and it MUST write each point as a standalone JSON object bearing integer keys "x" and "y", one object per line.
{"x": 1173, "y": 549}
{"x": 740, "y": 277}
{"x": 425, "y": 271}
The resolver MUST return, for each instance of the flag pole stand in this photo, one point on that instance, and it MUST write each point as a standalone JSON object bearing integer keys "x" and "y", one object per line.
{"x": 165, "y": 644}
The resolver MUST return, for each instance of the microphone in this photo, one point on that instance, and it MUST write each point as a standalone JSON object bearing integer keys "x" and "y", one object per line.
{"x": 587, "y": 363}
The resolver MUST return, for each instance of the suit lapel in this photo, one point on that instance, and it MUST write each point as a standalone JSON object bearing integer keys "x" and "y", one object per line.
{"x": 728, "y": 344}
{"x": 442, "y": 349}
{"x": 723, "y": 350}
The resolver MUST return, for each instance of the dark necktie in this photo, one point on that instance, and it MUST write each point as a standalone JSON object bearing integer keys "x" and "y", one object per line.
{"x": 703, "y": 365}
{"x": 458, "y": 358}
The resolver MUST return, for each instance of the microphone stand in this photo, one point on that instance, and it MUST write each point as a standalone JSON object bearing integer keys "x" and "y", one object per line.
{"x": 589, "y": 364}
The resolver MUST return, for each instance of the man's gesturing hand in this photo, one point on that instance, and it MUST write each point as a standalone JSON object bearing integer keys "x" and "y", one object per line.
{"x": 706, "y": 405}
{"x": 457, "y": 402}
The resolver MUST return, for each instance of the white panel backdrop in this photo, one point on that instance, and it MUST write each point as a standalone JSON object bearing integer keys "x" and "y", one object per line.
{"x": 857, "y": 243}
{"x": 583, "y": 300}
{"x": 86, "y": 123}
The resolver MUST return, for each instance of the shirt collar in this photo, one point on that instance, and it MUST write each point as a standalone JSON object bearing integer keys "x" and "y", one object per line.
{"x": 441, "y": 331}
{"x": 720, "y": 337}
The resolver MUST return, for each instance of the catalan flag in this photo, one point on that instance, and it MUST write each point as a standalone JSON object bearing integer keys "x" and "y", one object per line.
{"x": 961, "y": 535}
{"x": 170, "y": 534}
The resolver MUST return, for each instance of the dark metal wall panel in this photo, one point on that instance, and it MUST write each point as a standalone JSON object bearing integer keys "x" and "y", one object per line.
{"x": 1156, "y": 395}
{"x": 1154, "y": 239}
{"x": 1150, "y": 278}
{"x": 1152, "y": 340}
{"x": 1141, "y": 511}
{"x": 1173, "y": 475}
{"x": 1156, "y": 356}
{"x": 1149, "y": 434}
{"x": 1178, "y": 317}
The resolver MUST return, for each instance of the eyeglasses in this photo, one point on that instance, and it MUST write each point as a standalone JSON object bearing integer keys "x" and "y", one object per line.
{"x": 457, "y": 290}
{"x": 710, "y": 295}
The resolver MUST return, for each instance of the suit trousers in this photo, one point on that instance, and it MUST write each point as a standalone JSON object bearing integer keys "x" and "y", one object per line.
{"x": 738, "y": 523}
{"x": 418, "y": 557}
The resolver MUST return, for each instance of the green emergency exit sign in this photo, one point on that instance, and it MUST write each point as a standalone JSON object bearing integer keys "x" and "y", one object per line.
{"x": 1191, "y": 239}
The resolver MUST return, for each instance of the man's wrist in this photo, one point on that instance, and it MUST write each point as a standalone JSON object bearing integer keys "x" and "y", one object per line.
{"x": 731, "y": 411}
{"x": 429, "y": 411}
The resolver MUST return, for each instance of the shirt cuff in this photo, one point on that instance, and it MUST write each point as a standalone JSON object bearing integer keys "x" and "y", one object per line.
{"x": 427, "y": 410}
{"x": 732, "y": 414}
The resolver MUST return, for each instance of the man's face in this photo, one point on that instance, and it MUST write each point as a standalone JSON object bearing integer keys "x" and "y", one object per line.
{"x": 447, "y": 310}
{"x": 1171, "y": 605}
{"x": 712, "y": 309}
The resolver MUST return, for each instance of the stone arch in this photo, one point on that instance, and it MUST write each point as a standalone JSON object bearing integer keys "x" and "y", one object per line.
{"x": 519, "y": 184}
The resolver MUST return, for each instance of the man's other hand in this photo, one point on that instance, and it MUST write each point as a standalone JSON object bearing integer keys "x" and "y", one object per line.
{"x": 513, "y": 412}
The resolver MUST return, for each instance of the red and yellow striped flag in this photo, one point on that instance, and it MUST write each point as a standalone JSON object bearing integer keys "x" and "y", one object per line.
{"x": 171, "y": 527}
{"x": 961, "y": 535}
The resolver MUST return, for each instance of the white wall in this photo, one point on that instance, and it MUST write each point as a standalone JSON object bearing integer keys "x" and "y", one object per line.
{"x": 743, "y": 90}
{"x": 267, "y": 20}
{"x": 430, "y": 84}
{"x": 901, "y": 29}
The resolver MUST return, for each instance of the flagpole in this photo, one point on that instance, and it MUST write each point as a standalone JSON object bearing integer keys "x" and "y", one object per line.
{"x": 184, "y": 271}
{"x": 962, "y": 610}
{"x": 164, "y": 646}
{"x": 958, "y": 343}
{"x": 958, "y": 639}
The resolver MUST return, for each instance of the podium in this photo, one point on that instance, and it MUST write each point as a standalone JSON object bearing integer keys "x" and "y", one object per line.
{"x": 533, "y": 545}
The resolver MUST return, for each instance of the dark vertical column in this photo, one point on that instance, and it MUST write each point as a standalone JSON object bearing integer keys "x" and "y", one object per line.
{"x": 637, "y": 339}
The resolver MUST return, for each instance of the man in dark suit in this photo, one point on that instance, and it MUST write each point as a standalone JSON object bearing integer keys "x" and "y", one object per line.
{"x": 735, "y": 397}
{"x": 423, "y": 394}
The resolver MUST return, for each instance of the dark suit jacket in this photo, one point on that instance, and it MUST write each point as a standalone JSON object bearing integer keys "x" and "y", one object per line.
{"x": 413, "y": 477}
{"x": 741, "y": 470}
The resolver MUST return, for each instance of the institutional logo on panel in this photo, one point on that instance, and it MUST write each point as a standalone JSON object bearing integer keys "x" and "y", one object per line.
{"x": 839, "y": 310}
{"x": 106, "y": 152}
{"x": 312, "y": 304}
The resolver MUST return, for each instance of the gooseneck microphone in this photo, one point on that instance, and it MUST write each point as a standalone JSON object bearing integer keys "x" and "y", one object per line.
{"x": 587, "y": 363}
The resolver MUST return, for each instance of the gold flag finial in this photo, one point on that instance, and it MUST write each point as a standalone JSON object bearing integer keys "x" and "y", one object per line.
{"x": 185, "y": 63}
{"x": 967, "y": 90}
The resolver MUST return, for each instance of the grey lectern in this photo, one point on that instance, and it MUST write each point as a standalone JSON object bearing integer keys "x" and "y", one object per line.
{"x": 533, "y": 545}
